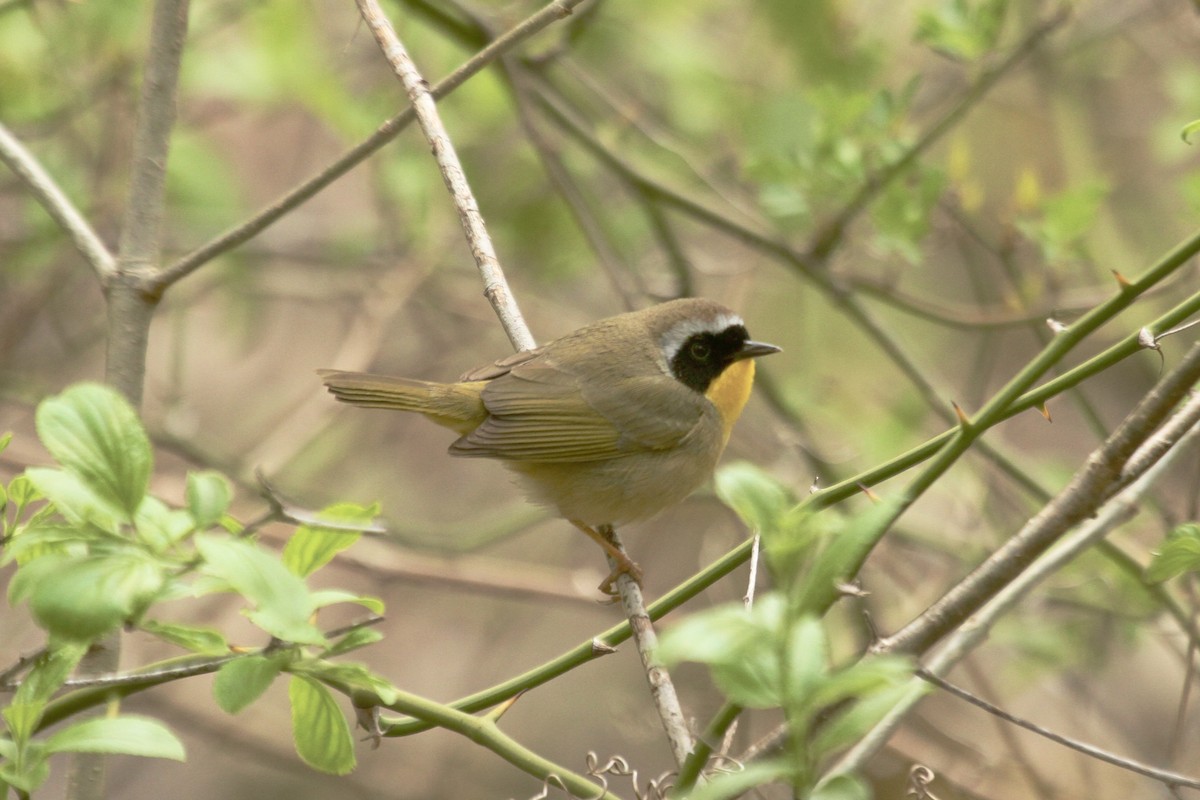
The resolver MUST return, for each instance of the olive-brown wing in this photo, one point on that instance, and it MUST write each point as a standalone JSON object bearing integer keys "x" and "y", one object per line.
{"x": 540, "y": 413}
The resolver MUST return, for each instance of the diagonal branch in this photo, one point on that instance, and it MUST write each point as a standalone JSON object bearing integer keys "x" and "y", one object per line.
{"x": 244, "y": 231}
{"x": 495, "y": 286}
{"x": 1091, "y": 487}
{"x": 60, "y": 208}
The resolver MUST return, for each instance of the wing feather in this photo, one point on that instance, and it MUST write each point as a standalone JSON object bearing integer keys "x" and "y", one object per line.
{"x": 537, "y": 412}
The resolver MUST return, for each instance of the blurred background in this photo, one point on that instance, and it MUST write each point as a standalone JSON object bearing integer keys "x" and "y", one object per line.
{"x": 632, "y": 153}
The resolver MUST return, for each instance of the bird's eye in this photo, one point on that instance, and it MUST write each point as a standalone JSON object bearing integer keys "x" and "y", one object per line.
{"x": 699, "y": 351}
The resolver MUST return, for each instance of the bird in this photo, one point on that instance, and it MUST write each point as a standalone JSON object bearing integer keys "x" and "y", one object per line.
{"x": 607, "y": 425}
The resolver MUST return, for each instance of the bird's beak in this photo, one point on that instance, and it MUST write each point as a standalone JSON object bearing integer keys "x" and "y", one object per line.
{"x": 755, "y": 349}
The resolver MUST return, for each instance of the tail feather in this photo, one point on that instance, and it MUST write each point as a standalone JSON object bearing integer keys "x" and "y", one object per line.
{"x": 453, "y": 405}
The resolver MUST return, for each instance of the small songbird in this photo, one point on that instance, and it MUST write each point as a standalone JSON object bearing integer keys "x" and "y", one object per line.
{"x": 609, "y": 424}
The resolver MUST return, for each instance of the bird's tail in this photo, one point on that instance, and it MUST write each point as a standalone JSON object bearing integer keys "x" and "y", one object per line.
{"x": 454, "y": 405}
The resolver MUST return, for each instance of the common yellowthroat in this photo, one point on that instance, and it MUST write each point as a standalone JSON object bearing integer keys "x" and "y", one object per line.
{"x": 609, "y": 424}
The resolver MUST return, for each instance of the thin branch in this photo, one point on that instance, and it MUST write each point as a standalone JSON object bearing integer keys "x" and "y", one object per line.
{"x": 1162, "y": 775}
{"x": 1100, "y": 478}
{"x": 266, "y": 217}
{"x": 495, "y": 286}
{"x": 662, "y": 689}
{"x": 60, "y": 208}
{"x": 832, "y": 233}
{"x": 1182, "y": 429}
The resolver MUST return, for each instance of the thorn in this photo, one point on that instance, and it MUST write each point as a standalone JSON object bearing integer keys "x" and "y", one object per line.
{"x": 599, "y": 648}
{"x": 1122, "y": 281}
{"x": 874, "y": 498}
{"x": 1045, "y": 409}
{"x": 1055, "y": 326}
{"x": 963, "y": 421}
{"x": 499, "y": 711}
{"x": 850, "y": 589}
{"x": 1147, "y": 340}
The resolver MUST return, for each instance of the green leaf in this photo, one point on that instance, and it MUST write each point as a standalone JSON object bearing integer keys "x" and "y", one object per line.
{"x": 239, "y": 683}
{"x": 94, "y": 432}
{"x": 30, "y": 773}
{"x": 282, "y": 603}
{"x": 841, "y": 787}
{"x": 863, "y": 677}
{"x": 843, "y": 555}
{"x": 740, "y": 646}
{"x": 355, "y": 676}
{"x": 319, "y": 728}
{"x": 359, "y": 637}
{"x": 124, "y": 735}
{"x": 1179, "y": 554}
{"x": 966, "y": 29}
{"x": 208, "y": 497}
{"x": 714, "y": 636}
{"x": 807, "y": 660}
{"x": 76, "y": 500}
{"x": 40, "y": 540}
{"x": 82, "y": 598}
{"x": 5, "y": 439}
{"x": 161, "y": 526}
{"x": 852, "y": 723}
{"x": 733, "y": 784}
{"x": 329, "y": 597}
{"x": 312, "y": 547}
{"x": 50, "y": 670}
{"x": 205, "y": 641}
{"x": 754, "y": 495}
{"x": 1185, "y": 134}
{"x": 22, "y": 492}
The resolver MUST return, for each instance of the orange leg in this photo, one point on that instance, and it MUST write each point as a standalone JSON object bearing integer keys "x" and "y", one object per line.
{"x": 625, "y": 565}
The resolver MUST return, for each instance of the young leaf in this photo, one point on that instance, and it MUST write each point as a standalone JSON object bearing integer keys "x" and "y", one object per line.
{"x": 208, "y": 497}
{"x": 159, "y": 525}
{"x": 239, "y": 683}
{"x": 853, "y": 722}
{"x": 807, "y": 660}
{"x": 76, "y": 500}
{"x": 5, "y": 439}
{"x": 319, "y": 728}
{"x": 283, "y": 604}
{"x": 124, "y": 735}
{"x": 41, "y": 682}
{"x": 841, "y": 787}
{"x": 1179, "y": 554}
{"x": 28, "y": 774}
{"x": 205, "y": 641}
{"x": 355, "y": 676}
{"x": 94, "y": 432}
{"x": 312, "y": 547}
{"x": 359, "y": 637}
{"x": 754, "y": 495}
{"x": 82, "y": 598}
{"x": 734, "y": 784}
{"x": 329, "y": 597}
{"x": 843, "y": 555}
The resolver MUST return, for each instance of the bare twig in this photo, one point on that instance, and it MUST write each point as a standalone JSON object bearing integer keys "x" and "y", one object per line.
{"x": 1165, "y": 776}
{"x": 383, "y": 134}
{"x": 1099, "y": 479}
{"x": 662, "y": 689}
{"x": 495, "y": 287}
{"x": 60, "y": 208}
{"x": 1180, "y": 430}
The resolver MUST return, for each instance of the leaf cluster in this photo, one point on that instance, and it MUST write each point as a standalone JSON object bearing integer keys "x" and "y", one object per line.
{"x": 776, "y": 653}
{"x": 96, "y": 551}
